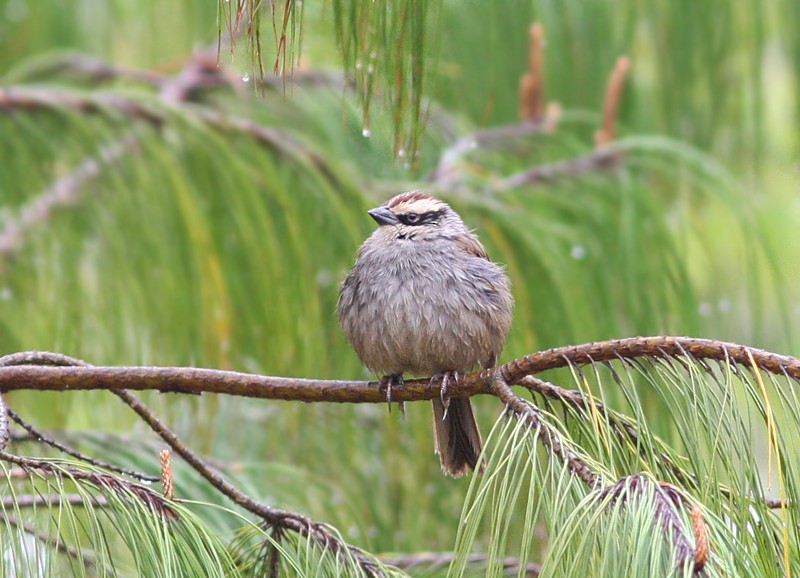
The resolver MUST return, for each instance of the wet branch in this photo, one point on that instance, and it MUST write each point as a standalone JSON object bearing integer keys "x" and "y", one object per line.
{"x": 274, "y": 517}
{"x": 45, "y": 439}
{"x": 35, "y": 500}
{"x": 549, "y": 435}
{"x": 56, "y": 372}
{"x": 48, "y": 539}
{"x": 5, "y": 435}
{"x": 431, "y": 561}
{"x": 668, "y": 502}
{"x": 535, "y": 117}
{"x": 196, "y": 381}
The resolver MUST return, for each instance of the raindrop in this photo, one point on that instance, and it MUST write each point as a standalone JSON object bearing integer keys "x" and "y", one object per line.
{"x": 5, "y": 294}
{"x": 724, "y": 305}
{"x": 366, "y": 132}
{"x": 359, "y": 65}
{"x": 370, "y": 69}
{"x": 246, "y": 78}
{"x": 577, "y": 252}
{"x": 324, "y": 278}
{"x": 705, "y": 309}
{"x": 401, "y": 153}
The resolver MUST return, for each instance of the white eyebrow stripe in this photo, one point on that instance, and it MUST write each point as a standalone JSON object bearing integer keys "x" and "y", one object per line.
{"x": 420, "y": 206}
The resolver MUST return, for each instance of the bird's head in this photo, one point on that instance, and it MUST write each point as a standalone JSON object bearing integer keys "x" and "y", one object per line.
{"x": 416, "y": 216}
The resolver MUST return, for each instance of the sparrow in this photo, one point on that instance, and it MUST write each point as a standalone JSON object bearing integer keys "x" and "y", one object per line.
{"x": 424, "y": 299}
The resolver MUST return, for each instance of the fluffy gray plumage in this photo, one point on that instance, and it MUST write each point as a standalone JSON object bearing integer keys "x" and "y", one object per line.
{"x": 424, "y": 299}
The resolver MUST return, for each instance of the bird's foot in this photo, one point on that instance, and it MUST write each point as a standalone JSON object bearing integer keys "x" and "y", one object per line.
{"x": 385, "y": 386}
{"x": 444, "y": 381}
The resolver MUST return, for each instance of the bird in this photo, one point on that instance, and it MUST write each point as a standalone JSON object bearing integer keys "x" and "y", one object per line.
{"x": 424, "y": 299}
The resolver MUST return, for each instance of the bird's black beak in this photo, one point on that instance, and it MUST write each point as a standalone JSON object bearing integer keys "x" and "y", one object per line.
{"x": 383, "y": 216}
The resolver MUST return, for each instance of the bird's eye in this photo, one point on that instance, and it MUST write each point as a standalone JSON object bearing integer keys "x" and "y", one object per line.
{"x": 412, "y": 218}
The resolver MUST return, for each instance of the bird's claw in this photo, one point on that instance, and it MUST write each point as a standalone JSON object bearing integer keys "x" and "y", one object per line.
{"x": 444, "y": 379}
{"x": 387, "y": 383}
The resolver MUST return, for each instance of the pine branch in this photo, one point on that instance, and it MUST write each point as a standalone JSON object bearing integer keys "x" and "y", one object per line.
{"x": 5, "y": 435}
{"x": 534, "y": 119}
{"x": 52, "y": 541}
{"x": 549, "y": 436}
{"x": 104, "y": 482}
{"x": 17, "y": 376}
{"x": 64, "y": 192}
{"x": 690, "y": 348}
{"x": 36, "y": 500}
{"x": 50, "y": 371}
{"x": 667, "y": 501}
{"x": 621, "y": 425}
{"x": 274, "y": 517}
{"x": 604, "y": 158}
{"x": 432, "y": 561}
{"x": 200, "y": 72}
{"x": 45, "y": 439}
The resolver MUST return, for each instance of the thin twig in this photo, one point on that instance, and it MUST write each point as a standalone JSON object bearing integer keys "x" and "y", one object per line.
{"x": 41, "y": 437}
{"x": 275, "y": 517}
{"x": 435, "y": 560}
{"x": 64, "y": 192}
{"x": 776, "y": 503}
{"x": 49, "y": 500}
{"x": 444, "y": 175}
{"x": 279, "y": 141}
{"x": 102, "y": 481}
{"x": 43, "y": 358}
{"x": 666, "y": 500}
{"x": 93, "y": 69}
{"x": 620, "y": 424}
{"x": 15, "y": 473}
{"x": 602, "y": 159}
{"x": 5, "y": 436}
{"x": 201, "y": 71}
{"x": 46, "y": 538}
{"x": 549, "y": 436}
{"x": 648, "y": 347}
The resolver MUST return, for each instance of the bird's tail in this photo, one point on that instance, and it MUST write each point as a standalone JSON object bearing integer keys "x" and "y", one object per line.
{"x": 458, "y": 441}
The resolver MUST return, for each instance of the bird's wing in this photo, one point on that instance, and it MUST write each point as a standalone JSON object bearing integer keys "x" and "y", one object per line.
{"x": 472, "y": 246}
